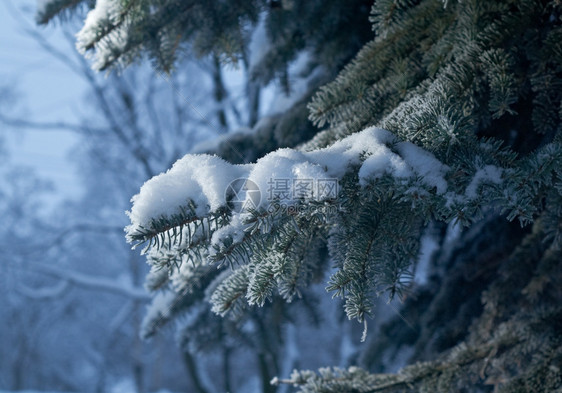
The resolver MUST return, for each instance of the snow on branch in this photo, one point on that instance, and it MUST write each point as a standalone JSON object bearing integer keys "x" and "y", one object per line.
{"x": 105, "y": 29}
{"x": 195, "y": 221}
{"x": 202, "y": 181}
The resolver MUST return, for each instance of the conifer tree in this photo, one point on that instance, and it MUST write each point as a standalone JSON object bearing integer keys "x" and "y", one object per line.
{"x": 449, "y": 116}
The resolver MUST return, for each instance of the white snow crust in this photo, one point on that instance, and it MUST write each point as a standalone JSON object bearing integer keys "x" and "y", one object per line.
{"x": 204, "y": 179}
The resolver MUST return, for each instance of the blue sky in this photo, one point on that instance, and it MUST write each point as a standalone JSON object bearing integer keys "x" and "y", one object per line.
{"x": 46, "y": 91}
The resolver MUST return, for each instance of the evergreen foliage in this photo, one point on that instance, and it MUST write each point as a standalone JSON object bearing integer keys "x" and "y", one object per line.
{"x": 451, "y": 114}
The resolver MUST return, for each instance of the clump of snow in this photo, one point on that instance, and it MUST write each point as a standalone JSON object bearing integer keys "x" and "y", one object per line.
{"x": 105, "y": 13}
{"x": 198, "y": 178}
{"x": 425, "y": 165}
{"x": 488, "y": 174}
{"x": 348, "y": 151}
{"x": 204, "y": 179}
{"x": 383, "y": 160}
{"x": 286, "y": 166}
{"x": 100, "y": 15}
{"x": 374, "y": 144}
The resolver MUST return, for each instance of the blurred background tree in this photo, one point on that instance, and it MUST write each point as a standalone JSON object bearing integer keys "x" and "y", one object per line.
{"x": 77, "y": 304}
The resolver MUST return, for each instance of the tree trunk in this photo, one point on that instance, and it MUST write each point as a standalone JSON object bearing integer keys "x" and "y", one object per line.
{"x": 193, "y": 371}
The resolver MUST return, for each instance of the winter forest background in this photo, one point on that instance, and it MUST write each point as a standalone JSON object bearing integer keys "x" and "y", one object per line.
{"x": 72, "y": 291}
{"x": 439, "y": 120}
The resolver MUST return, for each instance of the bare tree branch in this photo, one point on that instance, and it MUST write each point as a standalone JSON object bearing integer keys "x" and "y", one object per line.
{"x": 93, "y": 282}
{"x": 69, "y": 231}
{"x": 30, "y": 29}
{"x": 57, "y": 125}
{"x": 43, "y": 293}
